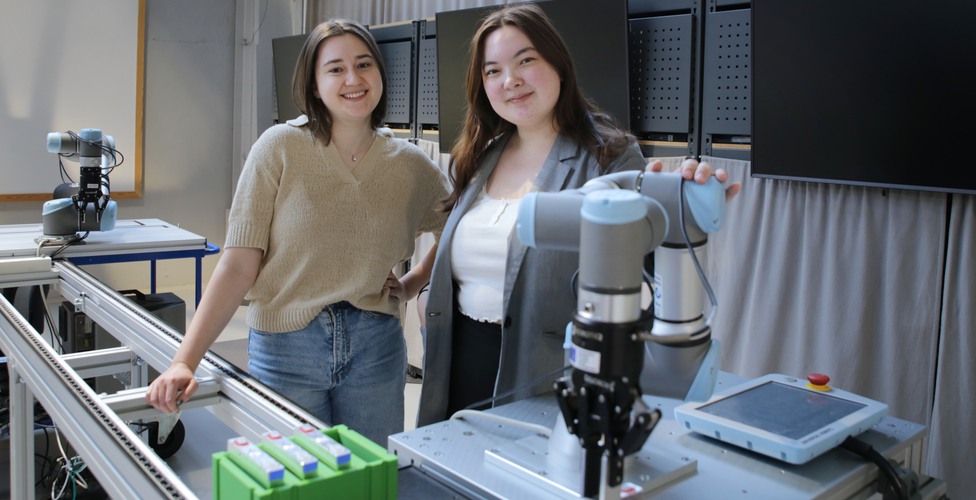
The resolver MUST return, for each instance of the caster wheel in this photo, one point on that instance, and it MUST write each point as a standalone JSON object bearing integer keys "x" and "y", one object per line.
{"x": 173, "y": 442}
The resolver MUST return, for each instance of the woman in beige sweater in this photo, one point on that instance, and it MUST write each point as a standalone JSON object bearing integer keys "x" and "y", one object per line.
{"x": 325, "y": 208}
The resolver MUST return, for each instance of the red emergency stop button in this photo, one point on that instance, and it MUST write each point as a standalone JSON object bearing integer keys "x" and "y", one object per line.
{"x": 818, "y": 382}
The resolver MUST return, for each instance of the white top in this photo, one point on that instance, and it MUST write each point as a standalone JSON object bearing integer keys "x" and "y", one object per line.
{"x": 479, "y": 251}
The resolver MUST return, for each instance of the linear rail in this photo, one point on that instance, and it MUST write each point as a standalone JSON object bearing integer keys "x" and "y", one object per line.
{"x": 121, "y": 461}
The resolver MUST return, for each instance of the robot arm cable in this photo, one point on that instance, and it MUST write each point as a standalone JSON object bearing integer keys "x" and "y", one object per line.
{"x": 107, "y": 150}
{"x": 694, "y": 258}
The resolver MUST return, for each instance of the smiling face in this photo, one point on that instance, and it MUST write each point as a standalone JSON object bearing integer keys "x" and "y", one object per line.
{"x": 347, "y": 79}
{"x": 521, "y": 86}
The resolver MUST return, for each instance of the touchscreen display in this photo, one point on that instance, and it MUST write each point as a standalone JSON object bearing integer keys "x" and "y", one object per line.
{"x": 787, "y": 411}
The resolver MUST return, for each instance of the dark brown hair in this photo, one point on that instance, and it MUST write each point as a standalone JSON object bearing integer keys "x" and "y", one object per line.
{"x": 303, "y": 83}
{"x": 576, "y": 116}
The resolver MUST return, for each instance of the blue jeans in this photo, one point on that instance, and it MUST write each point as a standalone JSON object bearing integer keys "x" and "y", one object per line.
{"x": 348, "y": 366}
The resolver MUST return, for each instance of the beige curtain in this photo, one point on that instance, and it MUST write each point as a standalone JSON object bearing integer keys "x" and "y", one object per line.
{"x": 952, "y": 431}
{"x": 842, "y": 280}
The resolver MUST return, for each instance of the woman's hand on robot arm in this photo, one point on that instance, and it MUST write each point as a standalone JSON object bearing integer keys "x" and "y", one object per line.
{"x": 700, "y": 172}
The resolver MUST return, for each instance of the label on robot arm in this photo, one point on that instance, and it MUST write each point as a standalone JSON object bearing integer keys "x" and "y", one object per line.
{"x": 257, "y": 462}
{"x": 584, "y": 359}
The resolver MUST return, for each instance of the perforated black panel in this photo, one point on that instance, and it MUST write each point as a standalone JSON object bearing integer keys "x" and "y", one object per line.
{"x": 427, "y": 82}
{"x": 726, "y": 80}
{"x": 397, "y": 58}
{"x": 661, "y": 67}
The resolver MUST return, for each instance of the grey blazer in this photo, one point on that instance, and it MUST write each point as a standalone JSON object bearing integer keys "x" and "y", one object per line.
{"x": 538, "y": 280}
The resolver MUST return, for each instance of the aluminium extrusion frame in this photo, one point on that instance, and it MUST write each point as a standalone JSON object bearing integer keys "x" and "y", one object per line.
{"x": 123, "y": 463}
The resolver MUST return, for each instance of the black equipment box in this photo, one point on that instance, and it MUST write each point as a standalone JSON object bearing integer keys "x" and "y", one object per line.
{"x": 79, "y": 333}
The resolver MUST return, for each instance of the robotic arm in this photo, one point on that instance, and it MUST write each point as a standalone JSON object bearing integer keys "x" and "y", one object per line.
{"x": 614, "y": 221}
{"x": 86, "y": 206}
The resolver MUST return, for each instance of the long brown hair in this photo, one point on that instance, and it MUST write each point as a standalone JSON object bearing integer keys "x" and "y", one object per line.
{"x": 576, "y": 116}
{"x": 303, "y": 83}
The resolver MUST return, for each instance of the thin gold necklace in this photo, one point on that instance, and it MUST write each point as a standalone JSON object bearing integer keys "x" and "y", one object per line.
{"x": 357, "y": 157}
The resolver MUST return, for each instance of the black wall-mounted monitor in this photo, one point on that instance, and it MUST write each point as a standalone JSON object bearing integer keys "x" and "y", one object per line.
{"x": 864, "y": 92}
{"x": 594, "y": 30}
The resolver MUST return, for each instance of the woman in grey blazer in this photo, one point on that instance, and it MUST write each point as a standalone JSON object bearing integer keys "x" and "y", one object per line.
{"x": 497, "y": 311}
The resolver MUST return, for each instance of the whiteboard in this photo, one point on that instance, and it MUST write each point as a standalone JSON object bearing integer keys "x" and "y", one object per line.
{"x": 69, "y": 66}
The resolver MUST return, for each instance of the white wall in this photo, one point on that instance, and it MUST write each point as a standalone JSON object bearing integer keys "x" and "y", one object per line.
{"x": 189, "y": 125}
{"x": 59, "y": 74}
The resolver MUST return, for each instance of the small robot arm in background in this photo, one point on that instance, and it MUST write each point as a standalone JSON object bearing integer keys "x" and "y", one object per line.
{"x": 87, "y": 205}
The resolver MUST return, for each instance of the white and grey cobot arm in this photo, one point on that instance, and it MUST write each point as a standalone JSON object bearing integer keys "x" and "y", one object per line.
{"x": 617, "y": 349}
{"x": 87, "y": 205}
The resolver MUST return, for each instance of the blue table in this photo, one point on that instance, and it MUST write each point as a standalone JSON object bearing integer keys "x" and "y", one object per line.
{"x": 152, "y": 257}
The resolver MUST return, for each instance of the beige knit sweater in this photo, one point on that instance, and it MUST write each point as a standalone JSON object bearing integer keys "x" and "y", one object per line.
{"x": 328, "y": 234}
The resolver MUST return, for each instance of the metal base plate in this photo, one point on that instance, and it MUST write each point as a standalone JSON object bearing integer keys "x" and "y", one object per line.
{"x": 529, "y": 459}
